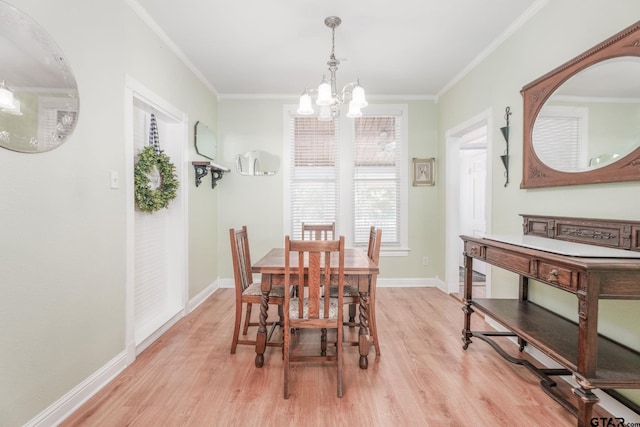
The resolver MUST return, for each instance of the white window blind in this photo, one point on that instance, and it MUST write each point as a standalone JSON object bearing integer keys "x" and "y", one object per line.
{"x": 560, "y": 137}
{"x": 376, "y": 178}
{"x": 314, "y": 172}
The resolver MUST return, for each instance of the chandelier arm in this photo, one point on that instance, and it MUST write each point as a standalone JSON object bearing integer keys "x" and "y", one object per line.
{"x": 348, "y": 89}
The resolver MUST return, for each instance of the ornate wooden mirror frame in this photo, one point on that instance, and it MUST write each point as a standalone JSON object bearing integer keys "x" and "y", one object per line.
{"x": 535, "y": 172}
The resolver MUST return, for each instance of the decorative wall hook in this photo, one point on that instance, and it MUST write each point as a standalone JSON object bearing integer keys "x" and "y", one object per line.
{"x": 505, "y": 134}
{"x": 203, "y": 168}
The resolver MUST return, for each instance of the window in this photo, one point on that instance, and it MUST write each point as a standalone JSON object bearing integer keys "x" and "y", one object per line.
{"x": 313, "y": 173}
{"x": 351, "y": 171}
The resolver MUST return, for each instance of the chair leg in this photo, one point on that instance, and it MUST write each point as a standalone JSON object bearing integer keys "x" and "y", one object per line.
{"x": 285, "y": 352}
{"x": 247, "y": 319}
{"x": 236, "y": 327}
{"x": 340, "y": 359}
{"x": 373, "y": 327}
{"x": 323, "y": 342}
{"x": 352, "y": 314}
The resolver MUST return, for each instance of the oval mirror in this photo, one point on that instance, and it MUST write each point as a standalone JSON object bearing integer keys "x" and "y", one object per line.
{"x": 257, "y": 163}
{"x": 206, "y": 144}
{"x": 581, "y": 120}
{"x": 38, "y": 92}
{"x": 592, "y": 119}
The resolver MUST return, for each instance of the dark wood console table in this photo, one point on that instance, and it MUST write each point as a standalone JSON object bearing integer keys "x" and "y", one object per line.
{"x": 592, "y": 259}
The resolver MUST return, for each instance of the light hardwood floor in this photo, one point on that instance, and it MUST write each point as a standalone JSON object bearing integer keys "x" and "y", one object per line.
{"x": 423, "y": 378}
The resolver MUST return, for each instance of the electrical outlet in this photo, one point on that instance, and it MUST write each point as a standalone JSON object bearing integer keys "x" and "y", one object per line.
{"x": 425, "y": 260}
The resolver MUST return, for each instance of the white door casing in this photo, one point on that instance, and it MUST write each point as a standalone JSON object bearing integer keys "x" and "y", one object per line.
{"x": 157, "y": 243}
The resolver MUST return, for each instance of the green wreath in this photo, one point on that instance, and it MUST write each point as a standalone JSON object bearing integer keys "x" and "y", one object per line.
{"x": 149, "y": 197}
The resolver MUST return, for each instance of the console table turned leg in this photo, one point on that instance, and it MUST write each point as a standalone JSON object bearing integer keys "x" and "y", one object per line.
{"x": 586, "y": 400}
{"x": 466, "y": 298}
{"x": 466, "y": 332}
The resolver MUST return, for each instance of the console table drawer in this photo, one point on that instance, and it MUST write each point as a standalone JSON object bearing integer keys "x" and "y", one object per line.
{"x": 558, "y": 276}
{"x": 515, "y": 262}
{"x": 474, "y": 250}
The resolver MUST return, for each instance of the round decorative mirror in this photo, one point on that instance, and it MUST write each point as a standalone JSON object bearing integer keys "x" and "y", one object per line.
{"x": 38, "y": 92}
{"x": 582, "y": 120}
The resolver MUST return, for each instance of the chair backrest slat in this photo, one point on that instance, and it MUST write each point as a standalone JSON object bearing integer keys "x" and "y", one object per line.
{"x": 318, "y": 231}
{"x": 375, "y": 241}
{"x": 315, "y": 267}
{"x": 241, "y": 258}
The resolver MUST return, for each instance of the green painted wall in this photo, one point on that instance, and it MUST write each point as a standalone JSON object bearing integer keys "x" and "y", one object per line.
{"x": 63, "y": 269}
{"x": 561, "y": 30}
{"x": 257, "y": 202}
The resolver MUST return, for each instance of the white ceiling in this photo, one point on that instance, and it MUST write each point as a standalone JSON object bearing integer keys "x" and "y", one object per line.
{"x": 279, "y": 47}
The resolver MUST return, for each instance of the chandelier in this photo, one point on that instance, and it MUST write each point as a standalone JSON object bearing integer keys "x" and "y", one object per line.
{"x": 328, "y": 98}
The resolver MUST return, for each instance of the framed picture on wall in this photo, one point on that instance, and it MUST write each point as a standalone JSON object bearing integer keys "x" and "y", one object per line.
{"x": 424, "y": 171}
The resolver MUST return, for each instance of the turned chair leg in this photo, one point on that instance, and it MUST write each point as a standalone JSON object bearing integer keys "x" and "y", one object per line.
{"x": 352, "y": 314}
{"x": 323, "y": 342}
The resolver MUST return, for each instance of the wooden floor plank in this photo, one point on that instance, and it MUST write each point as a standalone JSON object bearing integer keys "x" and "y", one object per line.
{"x": 424, "y": 377}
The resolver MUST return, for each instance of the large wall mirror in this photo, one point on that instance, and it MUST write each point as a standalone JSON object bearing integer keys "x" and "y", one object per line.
{"x": 582, "y": 120}
{"x": 38, "y": 92}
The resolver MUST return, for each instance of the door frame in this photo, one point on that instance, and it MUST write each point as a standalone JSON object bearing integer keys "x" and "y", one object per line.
{"x": 452, "y": 202}
{"x": 136, "y": 91}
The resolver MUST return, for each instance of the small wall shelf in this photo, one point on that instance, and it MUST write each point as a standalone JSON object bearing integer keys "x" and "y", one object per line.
{"x": 203, "y": 168}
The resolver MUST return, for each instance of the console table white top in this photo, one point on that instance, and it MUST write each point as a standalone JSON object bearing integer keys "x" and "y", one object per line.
{"x": 562, "y": 247}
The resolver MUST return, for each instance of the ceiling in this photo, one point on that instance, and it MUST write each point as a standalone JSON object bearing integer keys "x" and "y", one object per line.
{"x": 412, "y": 48}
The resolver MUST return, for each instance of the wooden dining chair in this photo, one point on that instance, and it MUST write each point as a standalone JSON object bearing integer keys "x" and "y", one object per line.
{"x": 312, "y": 310}
{"x": 318, "y": 231}
{"x": 247, "y": 292}
{"x": 352, "y": 294}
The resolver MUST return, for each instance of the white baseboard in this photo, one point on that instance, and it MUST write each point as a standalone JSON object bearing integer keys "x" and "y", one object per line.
{"x": 607, "y": 402}
{"x": 63, "y": 407}
{"x": 418, "y": 282}
{"x": 157, "y": 333}
{"x": 230, "y": 283}
{"x": 202, "y": 296}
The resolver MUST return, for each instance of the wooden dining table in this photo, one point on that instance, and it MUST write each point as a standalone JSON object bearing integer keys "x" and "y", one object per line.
{"x": 359, "y": 270}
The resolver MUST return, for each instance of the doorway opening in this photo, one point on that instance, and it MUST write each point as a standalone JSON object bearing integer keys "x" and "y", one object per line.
{"x": 468, "y": 199}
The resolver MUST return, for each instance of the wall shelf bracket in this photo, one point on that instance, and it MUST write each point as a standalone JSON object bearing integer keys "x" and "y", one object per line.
{"x": 204, "y": 168}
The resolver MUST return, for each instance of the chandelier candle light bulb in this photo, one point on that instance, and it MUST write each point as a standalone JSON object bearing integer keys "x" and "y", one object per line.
{"x": 324, "y": 93}
{"x": 328, "y": 98}
{"x": 305, "y": 108}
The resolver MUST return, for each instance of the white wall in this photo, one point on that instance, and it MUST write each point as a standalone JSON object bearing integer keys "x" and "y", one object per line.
{"x": 63, "y": 273}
